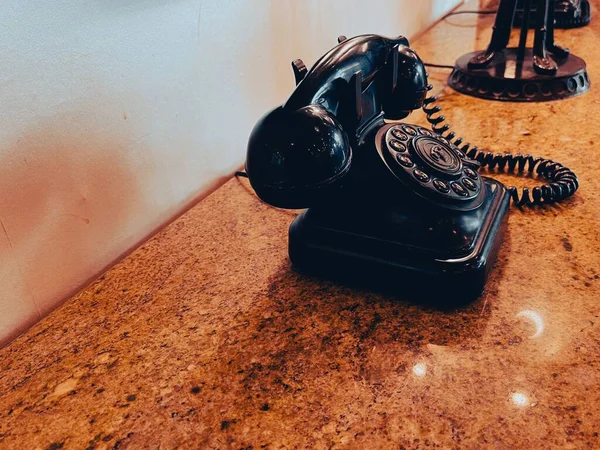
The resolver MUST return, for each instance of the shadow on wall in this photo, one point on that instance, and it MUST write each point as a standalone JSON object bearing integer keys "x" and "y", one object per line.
{"x": 69, "y": 194}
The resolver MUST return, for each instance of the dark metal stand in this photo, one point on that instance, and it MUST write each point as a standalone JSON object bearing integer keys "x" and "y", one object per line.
{"x": 544, "y": 72}
{"x": 567, "y": 13}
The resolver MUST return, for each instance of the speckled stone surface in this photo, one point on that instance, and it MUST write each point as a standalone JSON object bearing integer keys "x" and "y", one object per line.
{"x": 205, "y": 337}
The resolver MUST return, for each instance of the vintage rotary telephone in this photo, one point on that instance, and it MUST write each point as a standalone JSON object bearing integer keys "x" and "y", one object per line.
{"x": 389, "y": 202}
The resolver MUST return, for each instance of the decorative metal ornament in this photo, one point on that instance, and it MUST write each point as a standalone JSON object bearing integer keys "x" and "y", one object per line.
{"x": 544, "y": 72}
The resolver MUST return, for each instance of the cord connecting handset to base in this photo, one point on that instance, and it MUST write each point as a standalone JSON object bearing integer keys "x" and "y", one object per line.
{"x": 563, "y": 181}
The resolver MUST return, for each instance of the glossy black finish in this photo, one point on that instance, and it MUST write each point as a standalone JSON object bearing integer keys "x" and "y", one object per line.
{"x": 378, "y": 189}
{"x": 300, "y": 153}
{"x": 545, "y": 57}
{"x": 428, "y": 158}
{"x": 567, "y": 13}
{"x": 388, "y": 200}
{"x": 403, "y": 245}
{"x": 497, "y": 81}
{"x": 297, "y": 156}
{"x": 362, "y": 77}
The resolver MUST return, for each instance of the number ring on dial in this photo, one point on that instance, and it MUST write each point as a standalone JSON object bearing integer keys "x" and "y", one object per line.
{"x": 429, "y": 164}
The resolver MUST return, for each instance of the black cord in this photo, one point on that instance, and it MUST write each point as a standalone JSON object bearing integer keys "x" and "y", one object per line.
{"x": 480, "y": 11}
{"x": 562, "y": 181}
{"x": 439, "y": 66}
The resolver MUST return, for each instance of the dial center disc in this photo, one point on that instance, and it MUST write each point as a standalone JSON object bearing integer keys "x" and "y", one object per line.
{"x": 437, "y": 155}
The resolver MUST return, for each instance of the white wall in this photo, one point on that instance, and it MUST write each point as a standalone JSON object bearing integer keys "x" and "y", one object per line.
{"x": 116, "y": 114}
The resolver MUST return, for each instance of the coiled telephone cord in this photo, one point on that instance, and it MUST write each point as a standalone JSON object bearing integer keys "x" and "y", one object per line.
{"x": 562, "y": 181}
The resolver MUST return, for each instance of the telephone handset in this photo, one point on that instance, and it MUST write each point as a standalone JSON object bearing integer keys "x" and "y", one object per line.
{"x": 384, "y": 195}
{"x": 303, "y": 150}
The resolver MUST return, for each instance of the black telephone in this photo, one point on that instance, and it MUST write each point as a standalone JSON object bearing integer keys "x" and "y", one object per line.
{"x": 389, "y": 202}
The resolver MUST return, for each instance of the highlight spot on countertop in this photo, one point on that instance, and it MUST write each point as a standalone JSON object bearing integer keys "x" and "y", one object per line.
{"x": 420, "y": 369}
{"x": 65, "y": 387}
{"x": 536, "y": 320}
{"x": 520, "y": 399}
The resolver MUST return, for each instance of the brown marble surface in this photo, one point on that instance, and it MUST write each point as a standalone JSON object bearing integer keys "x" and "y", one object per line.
{"x": 206, "y": 338}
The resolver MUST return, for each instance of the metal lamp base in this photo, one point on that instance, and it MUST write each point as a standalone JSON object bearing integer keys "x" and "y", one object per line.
{"x": 503, "y": 79}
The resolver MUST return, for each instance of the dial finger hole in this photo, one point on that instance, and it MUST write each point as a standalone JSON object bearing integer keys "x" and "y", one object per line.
{"x": 405, "y": 161}
{"x": 470, "y": 173}
{"x": 441, "y": 186}
{"x": 469, "y": 184}
{"x": 421, "y": 176}
{"x": 397, "y": 145}
{"x": 459, "y": 189}
{"x": 409, "y": 130}
{"x": 398, "y": 134}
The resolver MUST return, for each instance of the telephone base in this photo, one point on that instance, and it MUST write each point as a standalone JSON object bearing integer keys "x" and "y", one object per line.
{"x": 415, "y": 252}
{"x": 506, "y": 80}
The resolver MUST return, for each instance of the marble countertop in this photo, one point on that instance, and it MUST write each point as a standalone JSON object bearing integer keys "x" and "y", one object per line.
{"x": 205, "y": 337}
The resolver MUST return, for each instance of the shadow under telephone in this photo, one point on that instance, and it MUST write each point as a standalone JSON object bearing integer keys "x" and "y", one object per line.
{"x": 389, "y": 201}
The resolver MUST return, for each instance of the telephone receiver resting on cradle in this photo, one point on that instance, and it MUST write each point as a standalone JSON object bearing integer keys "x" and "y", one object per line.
{"x": 384, "y": 196}
{"x": 305, "y": 151}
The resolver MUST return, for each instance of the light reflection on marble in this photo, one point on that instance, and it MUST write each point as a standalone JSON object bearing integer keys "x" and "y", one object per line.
{"x": 420, "y": 370}
{"x": 520, "y": 399}
{"x": 224, "y": 345}
{"x": 536, "y": 319}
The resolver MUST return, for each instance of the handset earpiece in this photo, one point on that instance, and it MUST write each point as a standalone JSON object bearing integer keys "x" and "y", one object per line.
{"x": 296, "y": 158}
{"x": 408, "y": 83}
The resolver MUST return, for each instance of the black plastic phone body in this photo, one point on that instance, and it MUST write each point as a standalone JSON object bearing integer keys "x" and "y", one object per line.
{"x": 434, "y": 254}
{"x": 390, "y": 202}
